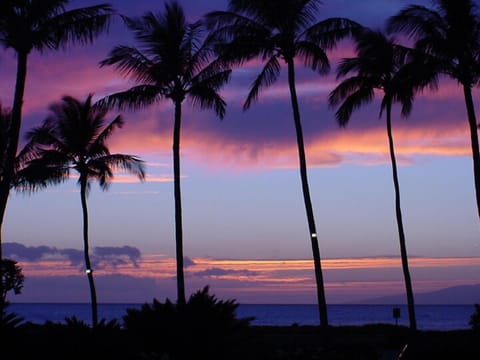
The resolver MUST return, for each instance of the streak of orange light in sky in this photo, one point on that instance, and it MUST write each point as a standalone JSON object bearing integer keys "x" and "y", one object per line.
{"x": 160, "y": 266}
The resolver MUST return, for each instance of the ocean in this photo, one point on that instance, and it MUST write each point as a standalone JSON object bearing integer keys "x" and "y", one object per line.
{"x": 429, "y": 317}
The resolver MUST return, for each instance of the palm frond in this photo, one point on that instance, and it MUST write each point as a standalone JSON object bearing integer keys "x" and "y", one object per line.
{"x": 130, "y": 61}
{"x": 345, "y": 89}
{"x": 355, "y": 100}
{"x": 213, "y": 77}
{"x": 97, "y": 145}
{"x": 42, "y": 137}
{"x": 102, "y": 168}
{"x": 305, "y": 13}
{"x": 417, "y": 21}
{"x": 224, "y": 25}
{"x": 327, "y": 33}
{"x": 50, "y": 167}
{"x": 207, "y": 98}
{"x": 348, "y": 65}
{"x": 135, "y": 98}
{"x": 267, "y": 77}
{"x": 237, "y": 38}
{"x": 204, "y": 91}
{"x": 313, "y": 56}
{"x": 80, "y": 25}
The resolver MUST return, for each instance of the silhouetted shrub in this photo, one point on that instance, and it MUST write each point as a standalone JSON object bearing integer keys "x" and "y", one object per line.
{"x": 475, "y": 319}
{"x": 9, "y": 320}
{"x": 204, "y": 327}
{"x": 72, "y": 339}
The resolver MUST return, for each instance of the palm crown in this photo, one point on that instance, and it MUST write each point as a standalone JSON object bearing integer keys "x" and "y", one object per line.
{"x": 46, "y": 24}
{"x": 449, "y": 33}
{"x": 274, "y": 31}
{"x": 171, "y": 62}
{"x": 380, "y": 64}
{"x": 74, "y": 138}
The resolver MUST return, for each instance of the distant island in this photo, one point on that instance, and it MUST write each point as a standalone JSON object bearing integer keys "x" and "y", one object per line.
{"x": 456, "y": 295}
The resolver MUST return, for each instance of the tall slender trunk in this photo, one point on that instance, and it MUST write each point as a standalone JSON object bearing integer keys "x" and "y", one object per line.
{"x": 401, "y": 233}
{"x": 178, "y": 204}
{"x": 322, "y": 303}
{"x": 4, "y": 190}
{"x": 88, "y": 266}
{"x": 472, "y": 124}
{"x": 8, "y": 171}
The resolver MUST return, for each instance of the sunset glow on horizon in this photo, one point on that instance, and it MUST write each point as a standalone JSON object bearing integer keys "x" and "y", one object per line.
{"x": 245, "y": 279}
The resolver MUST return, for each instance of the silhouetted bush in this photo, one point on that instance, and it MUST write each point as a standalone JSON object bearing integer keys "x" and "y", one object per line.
{"x": 203, "y": 328}
{"x": 475, "y": 319}
{"x": 9, "y": 320}
{"x": 72, "y": 339}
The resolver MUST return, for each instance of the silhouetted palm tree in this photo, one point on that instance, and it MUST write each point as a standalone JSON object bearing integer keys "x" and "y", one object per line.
{"x": 383, "y": 65}
{"x": 40, "y": 25}
{"x": 449, "y": 34}
{"x": 275, "y": 31}
{"x": 172, "y": 63}
{"x": 74, "y": 137}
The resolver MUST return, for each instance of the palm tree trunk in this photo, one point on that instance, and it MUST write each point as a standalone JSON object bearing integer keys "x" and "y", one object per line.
{"x": 88, "y": 266}
{"x": 322, "y": 304}
{"x": 8, "y": 171}
{"x": 4, "y": 190}
{"x": 472, "y": 123}
{"x": 401, "y": 233}
{"x": 181, "y": 299}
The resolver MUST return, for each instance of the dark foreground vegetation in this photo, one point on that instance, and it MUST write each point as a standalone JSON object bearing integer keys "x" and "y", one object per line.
{"x": 78, "y": 341}
{"x": 207, "y": 328}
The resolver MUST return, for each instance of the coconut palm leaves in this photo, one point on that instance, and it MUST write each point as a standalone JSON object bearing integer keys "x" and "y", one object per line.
{"x": 449, "y": 35}
{"x": 73, "y": 138}
{"x": 382, "y": 65}
{"x": 171, "y": 62}
{"x": 281, "y": 32}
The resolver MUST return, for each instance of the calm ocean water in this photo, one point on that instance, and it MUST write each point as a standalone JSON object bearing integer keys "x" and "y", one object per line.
{"x": 429, "y": 317}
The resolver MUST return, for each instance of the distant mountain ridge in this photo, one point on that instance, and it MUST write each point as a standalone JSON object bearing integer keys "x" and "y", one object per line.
{"x": 456, "y": 295}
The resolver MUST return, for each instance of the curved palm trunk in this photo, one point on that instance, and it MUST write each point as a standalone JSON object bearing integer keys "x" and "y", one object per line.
{"x": 178, "y": 204}
{"x": 22, "y": 58}
{"x": 472, "y": 123}
{"x": 401, "y": 233}
{"x": 88, "y": 266}
{"x": 322, "y": 304}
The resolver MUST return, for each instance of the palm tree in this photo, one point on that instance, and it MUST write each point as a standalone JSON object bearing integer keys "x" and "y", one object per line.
{"x": 382, "y": 65}
{"x": 274, "y": 31}
{"x": 449, "y": 34}
{"x": 74, "y": 137}
{"x": 40, "y": 25}
{"x": 172, "y": 63}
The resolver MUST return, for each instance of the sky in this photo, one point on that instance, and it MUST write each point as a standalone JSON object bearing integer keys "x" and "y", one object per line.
{"x": 245, "y": 229}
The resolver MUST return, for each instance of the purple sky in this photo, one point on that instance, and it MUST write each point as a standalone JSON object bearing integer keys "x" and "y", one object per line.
{"x": 241, "y": 190}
